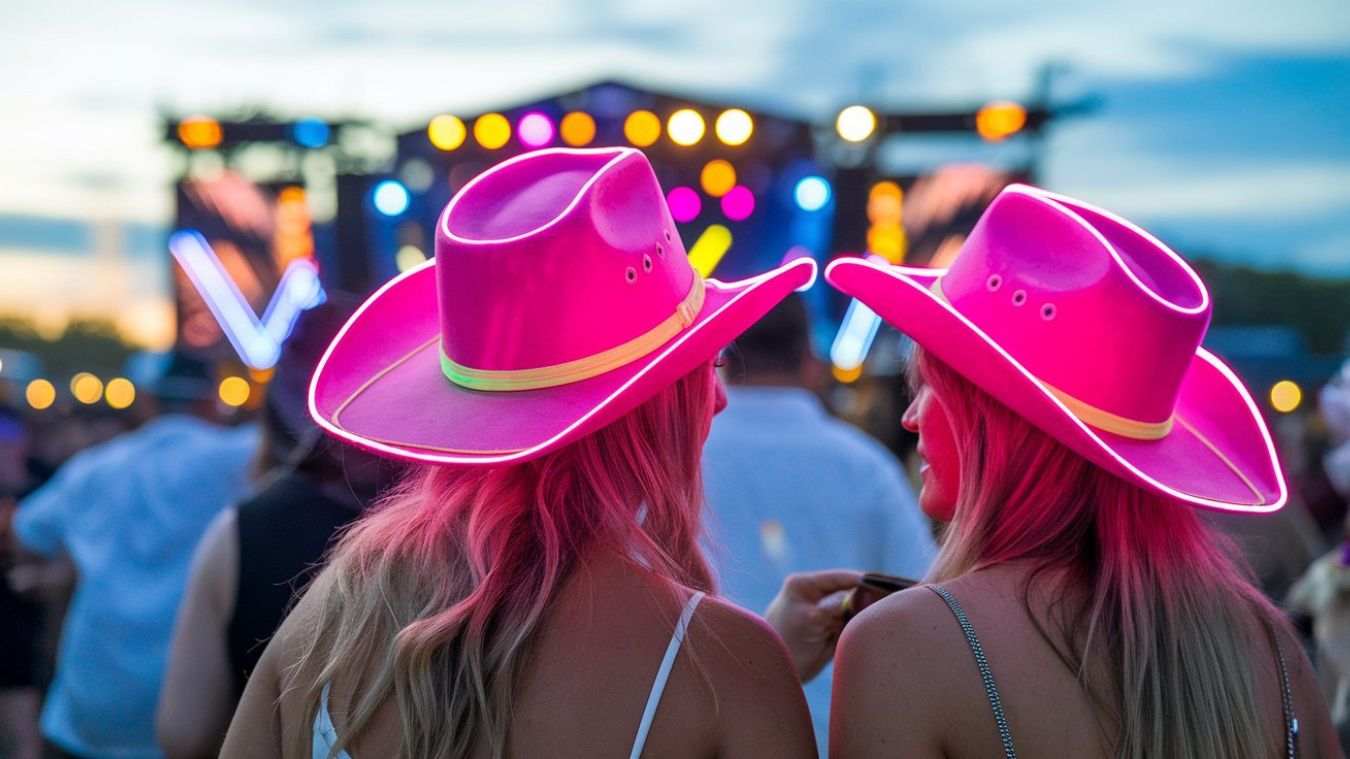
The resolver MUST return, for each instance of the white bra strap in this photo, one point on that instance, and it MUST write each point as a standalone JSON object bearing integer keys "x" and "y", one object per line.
{"x": 662, "y": 675}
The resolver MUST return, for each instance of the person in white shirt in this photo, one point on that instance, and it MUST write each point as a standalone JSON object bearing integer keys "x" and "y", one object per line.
{"x": 791, "y": 489}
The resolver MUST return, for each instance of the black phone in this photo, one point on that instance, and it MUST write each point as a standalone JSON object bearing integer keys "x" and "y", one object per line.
{"x": 872, "y": 587}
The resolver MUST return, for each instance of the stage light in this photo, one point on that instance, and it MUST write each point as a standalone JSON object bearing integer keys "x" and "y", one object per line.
{"x": 40, "y": 394}
{"x": 855, "y": 337}
{"x": 642, "y": 128}
{"x": 119, "y": 393}
{"x": 883, "y": 203}
{"x": 535, "y": 130}
{"x": 738, "y": 203}
{"x": 718, "y": 177}
{"x": 847, "y": 376}
{"x": 709, "y": 248}
{"x": 734, "y": 127}
{"x": 234, "y": 391}
{"x": 446, "y": 132}
{"x": 577, "y": 129}
{"x": 492, "y": 130}
{"x": 310, "y": 133}
{"x": 86, "y": 388}
{"x": 887, "y": 241}
{"x": 409, "y": 256}
{"x": 686, "y": 127}
{"x": 685, "y": 204}
{"x": 391, "y": 197}
{"x": 199, "y": 133}
{"x": 811, "y": 193}
{"x": 856, "y": 123}
{"x": 1286, "y": 396}
{"x": 1000, "y": 120}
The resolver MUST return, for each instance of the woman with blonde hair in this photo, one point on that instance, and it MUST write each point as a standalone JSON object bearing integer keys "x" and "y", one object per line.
{"x": 537, "y": 589}
{"x": 1071, "y": 426}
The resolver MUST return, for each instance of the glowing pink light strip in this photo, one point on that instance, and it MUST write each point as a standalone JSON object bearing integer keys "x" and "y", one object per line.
{"x": 258, "y": 342}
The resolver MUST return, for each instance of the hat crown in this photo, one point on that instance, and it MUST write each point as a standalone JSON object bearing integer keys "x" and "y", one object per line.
{"x": 1090, "y": 304}
{"x": 554, "y": 257}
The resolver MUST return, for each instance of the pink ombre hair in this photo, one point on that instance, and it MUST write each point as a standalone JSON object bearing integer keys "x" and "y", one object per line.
{"x": 442, "y": 587}
{"x": 1148, "y": 605}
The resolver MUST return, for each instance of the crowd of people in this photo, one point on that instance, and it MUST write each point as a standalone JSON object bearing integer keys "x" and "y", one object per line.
{"x": 556, "y": 495}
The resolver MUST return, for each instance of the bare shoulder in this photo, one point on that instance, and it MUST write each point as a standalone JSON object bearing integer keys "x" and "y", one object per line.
{"x": 758, "y": 700}
{"x": 215, "y": 566}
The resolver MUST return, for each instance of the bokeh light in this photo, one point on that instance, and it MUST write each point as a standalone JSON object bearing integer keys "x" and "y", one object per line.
{"x": 1286, "y": 396}
{"x": 391, "y": 197}
{"x": 685, "y": 204}
{"x": 686, "y": 127}
{"x": 119, "y": 393}
{"x": 446, "y": 132}
{"x": 883, "y": 203}
{"x": 86, "y": 388}
{"x": 40, "y": 394}
{"x": 234, "y": 391}
{"x": 738, "y": 203}
{"x": 535, "y": 130}
{"x": 311, "y": 133}
{"x": 718, "y": 177}
{"x": 492, "y": 130}
{"x": 856, "y": 123}
{"x": 642, "y": 128}
{"x": 409, "y": 256}
{"x": 199, "y": 133}
{"x": 847, "y": 376}
{"x": 999, "y": 120}
{"x": 887, "y": 241}
{"x": 709, "y": 249}
{"x": 734, "y": 127}
{"x": 577, "y": 129}
{"x": 811, "y": 193}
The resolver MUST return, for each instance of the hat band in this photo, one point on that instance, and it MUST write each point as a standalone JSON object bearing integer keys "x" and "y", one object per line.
{"x": 582, "y": 368}
{"x": 1086, "y": 412}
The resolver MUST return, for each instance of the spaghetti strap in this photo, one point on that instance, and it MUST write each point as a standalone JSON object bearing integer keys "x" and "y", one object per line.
{"x": 975, "y": 648}
{"x": 1286, "y": 699}
{"x": 325, "y": 735}
{"x": 663, "y": 674}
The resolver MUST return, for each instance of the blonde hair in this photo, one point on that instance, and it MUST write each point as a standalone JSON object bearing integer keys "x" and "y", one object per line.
{"x": 436, "y": 596}
{"x": 1154, "y": 603}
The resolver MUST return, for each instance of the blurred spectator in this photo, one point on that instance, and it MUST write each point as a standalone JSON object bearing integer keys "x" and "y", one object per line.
{"x": 126, "y": 515}
{"x": 20, "y": 619}
{"x": 791, "y": 489}
{"x": 255, "y": 557}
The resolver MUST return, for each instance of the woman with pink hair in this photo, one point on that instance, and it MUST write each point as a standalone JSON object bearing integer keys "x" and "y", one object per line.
{"x": 538, "y": 588}
{"x": 1071, "y": 427}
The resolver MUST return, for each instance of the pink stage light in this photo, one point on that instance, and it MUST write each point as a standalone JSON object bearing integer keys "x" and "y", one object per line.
{"x": 738, "y": 203}
{"x": 684, "y": 203}
{"x": 535, "y": 130}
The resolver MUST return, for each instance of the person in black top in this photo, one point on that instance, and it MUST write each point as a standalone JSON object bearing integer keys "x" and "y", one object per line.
{"x": 256, "y": 557}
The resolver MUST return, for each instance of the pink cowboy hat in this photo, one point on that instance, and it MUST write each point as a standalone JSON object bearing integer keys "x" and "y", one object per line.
{"x": 1090, "y": 328}
{"x": 559, "y": 299}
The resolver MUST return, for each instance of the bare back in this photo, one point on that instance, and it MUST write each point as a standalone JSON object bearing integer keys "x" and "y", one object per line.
{"x": 732, "y": 691}
{"x": 908, "y": 657}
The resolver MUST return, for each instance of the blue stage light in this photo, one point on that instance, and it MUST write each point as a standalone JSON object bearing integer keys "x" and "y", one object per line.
{"x": 811, "y": 193}
{"x": 391, "y": 198}
{"x": 310, "y": 133}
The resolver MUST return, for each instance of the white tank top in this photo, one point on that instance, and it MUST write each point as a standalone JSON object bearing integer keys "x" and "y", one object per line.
{"x": 325, "y": 735}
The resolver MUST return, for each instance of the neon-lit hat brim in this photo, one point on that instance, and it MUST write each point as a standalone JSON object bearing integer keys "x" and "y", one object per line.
{"x": 1219, "y": 454}
{"x": 380, "y": 384}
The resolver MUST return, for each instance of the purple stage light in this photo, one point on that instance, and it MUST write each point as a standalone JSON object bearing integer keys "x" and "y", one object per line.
{"x": 684, "y": 203}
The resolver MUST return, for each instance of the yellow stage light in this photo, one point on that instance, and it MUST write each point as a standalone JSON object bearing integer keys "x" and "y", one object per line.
{"x": 856, "y": 123}
{"x": 577, "y": 129}
{"x": 1000, "y": 120}
{"x": 1286, "y": 396}
{"x": 709, "y": 248}
{"x": 119, "y": 393}
{"x": 847, "y": 376}
{"x": 234, "y": 391}
{"x": 642, "y": 128}
{"x": 409, "y": 256}
{"x": 717, "y": 177}
{"x": 199, "y": 132}
{"x": 492, "y": 130}
{"x": 686, "y": 127}
{"x": 86, "y": 388}
{"x": 40, "y": 394}
{"x": 446, "y": 132}
{"x": 734, "y": 127}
